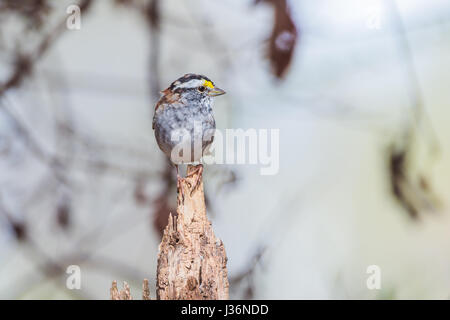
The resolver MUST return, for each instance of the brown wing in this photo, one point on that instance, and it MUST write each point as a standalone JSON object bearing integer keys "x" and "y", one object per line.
{"x": 167, "y": 98}
{"x": 154, "y": 113}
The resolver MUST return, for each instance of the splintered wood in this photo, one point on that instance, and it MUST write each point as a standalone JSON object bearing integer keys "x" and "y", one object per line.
{"x": 191, "y": 260}
{"x": 123, "y": 294}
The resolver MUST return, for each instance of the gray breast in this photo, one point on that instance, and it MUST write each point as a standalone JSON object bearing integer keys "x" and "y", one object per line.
{"x": 184, "y": 132}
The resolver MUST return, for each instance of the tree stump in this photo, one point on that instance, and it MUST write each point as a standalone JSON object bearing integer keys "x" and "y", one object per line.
{"x": 191, "y": 260}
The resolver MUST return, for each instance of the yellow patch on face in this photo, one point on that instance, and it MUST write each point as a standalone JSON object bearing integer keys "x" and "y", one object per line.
{"x": 208, "y": 84}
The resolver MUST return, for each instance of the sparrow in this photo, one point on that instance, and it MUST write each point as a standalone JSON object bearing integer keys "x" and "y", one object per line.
{"x": 184, "y": 123}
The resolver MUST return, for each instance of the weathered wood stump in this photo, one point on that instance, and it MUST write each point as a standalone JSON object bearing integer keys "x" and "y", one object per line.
{"x": 192, "y": 263}
{"x": 191, "y": 260}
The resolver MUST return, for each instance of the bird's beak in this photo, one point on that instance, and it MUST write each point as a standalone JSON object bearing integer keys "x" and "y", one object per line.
{"x": 216, "y": 92}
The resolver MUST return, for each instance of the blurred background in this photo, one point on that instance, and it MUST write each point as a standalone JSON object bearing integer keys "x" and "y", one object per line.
{"x": 358, "y": 89}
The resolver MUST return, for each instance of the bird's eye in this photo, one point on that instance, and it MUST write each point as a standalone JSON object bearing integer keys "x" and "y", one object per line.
{"x": 202, "y": 88}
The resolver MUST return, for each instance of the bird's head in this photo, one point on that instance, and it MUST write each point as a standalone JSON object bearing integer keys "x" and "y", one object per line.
{"x": 194, "y": 86}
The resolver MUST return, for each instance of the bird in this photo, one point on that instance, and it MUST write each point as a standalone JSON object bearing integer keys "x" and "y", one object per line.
{"x": 183, "y": 122}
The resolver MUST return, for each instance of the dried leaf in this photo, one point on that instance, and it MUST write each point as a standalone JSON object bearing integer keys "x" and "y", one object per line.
{"x": 283, "y": 39}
